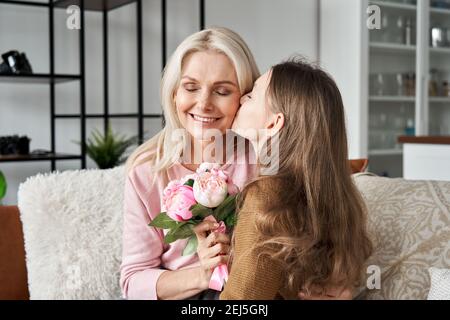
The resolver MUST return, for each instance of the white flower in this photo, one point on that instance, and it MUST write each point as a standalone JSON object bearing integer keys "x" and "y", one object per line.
{"x": 210, "y": 190}
{"x": 206, "y": 166}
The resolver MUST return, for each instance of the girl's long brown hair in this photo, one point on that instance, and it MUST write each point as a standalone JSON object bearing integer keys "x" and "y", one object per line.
{"x": 315, "y": 222}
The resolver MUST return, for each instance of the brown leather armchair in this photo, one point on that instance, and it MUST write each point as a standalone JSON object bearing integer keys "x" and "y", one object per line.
{"x": 13, "y": 271}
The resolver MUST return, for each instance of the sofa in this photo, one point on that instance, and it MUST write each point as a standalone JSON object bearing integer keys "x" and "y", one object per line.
{"x": 63, "y": 240}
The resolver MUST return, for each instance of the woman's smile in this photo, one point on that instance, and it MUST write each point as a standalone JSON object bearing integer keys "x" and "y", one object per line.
{"x": 204, "y": 119}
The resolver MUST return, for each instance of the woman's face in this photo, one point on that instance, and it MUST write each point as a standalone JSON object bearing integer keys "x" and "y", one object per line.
{"x": 208, "y": 95}
{"x": 254, "y": 112}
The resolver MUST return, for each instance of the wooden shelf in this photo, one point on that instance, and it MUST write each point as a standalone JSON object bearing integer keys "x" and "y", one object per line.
{"x": 386, "y": 152}
{"x": 32, "y": 157}
{"x": 39, "y": 78}
{"x": 394, "y": 5}
{"x": 425, "y": 139}
{"x": 94, "y": 5}
{"x": 391, "y": 99}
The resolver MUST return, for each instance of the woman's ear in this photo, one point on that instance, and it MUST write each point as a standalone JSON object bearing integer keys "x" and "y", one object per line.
{"x": 276, "y": 123}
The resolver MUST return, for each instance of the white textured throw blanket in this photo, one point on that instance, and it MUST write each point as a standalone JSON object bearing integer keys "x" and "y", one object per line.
{"x": 72, "y": 224}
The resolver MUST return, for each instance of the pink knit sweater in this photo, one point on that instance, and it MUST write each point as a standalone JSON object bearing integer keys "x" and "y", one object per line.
{"x": 144, "y": 254}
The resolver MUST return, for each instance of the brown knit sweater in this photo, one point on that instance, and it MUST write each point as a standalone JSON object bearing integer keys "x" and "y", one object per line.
{"x": 252, "y": 277}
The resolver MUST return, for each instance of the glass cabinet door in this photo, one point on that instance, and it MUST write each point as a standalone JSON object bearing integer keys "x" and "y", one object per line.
{"x": 439, "y": 68}
{"x": 392, "y": 84}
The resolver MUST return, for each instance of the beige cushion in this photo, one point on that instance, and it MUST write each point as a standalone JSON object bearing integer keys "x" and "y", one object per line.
{"x": 410, "y": 224}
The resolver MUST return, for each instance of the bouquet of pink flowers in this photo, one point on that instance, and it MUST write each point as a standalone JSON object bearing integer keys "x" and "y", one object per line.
{"x": 208, "y": 194}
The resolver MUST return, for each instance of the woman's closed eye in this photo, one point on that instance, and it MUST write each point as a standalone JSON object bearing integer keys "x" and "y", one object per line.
{"x": 190, "y": 87}
{"x": 223, "y": 92}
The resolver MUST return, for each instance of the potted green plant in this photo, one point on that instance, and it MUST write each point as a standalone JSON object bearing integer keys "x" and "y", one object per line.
{"x": 3, "y": 186}
{"x": 107, "y": 150}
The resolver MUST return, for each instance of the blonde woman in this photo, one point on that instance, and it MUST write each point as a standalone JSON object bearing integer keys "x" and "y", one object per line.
{"x": 200, "y": 90}
{"x": 302, "y": 229}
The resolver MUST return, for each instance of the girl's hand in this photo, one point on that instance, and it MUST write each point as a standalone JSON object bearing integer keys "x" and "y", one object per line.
{"x": 331, "y": 294}
{"x": 213, "y": 249}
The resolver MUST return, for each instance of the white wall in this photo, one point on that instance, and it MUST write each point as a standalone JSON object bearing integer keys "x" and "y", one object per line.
{"x": 344, "y": 54}
{"x": 274, "y": 30}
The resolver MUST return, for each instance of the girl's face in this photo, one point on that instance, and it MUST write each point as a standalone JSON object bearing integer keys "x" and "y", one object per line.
{"x": 254, "y": 112}
{"x": 208, "y": 94}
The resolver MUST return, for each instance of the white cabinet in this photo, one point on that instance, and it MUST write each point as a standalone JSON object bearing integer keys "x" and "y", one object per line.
{"x": 423, "y": 161}
{"x": 393, "y": 81}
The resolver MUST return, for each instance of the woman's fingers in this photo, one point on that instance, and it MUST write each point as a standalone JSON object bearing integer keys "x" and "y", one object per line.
{"x": 216, "y": 261}
{"x": 213, "y": 247}
{"x": 216, "y": 237}
{"x": 219, "y": 248}
{"x": 201, "y": 230}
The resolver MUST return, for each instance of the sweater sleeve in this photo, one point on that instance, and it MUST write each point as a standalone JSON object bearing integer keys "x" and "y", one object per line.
{"x": 252, "y": 277}
{"x": 142, "y": 247}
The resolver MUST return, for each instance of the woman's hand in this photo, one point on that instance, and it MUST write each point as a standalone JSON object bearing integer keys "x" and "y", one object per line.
{"x": 213, "y": 249}
{"x": 330, "y": 294}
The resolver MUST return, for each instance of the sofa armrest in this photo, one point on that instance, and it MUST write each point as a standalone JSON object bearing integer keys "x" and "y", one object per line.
{"x": 13, "y": 272}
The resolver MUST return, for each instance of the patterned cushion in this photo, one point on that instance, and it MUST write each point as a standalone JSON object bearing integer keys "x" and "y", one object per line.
{"x": 410, "y": 225}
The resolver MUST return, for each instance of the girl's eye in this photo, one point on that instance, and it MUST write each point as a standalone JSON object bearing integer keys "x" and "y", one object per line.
{"x": 249, "y": 96}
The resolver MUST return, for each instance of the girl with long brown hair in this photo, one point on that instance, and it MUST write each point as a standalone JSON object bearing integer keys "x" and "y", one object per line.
{"x": 301, "y": 228}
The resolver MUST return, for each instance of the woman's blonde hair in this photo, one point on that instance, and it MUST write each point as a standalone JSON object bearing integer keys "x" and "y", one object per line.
{"x": 164, "y": 151}
{"x": 315, "y": 218}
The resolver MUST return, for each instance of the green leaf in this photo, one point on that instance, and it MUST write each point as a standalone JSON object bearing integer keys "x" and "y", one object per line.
{"x": 108, "y": 150}
{"x": 182, "y": 231}
{"x": 189, "y": 183}
{"x": 230, "y": 221}
{"x": 227, "y": 207}
{"x": 3, "y": 185}
{"x": 191, "y": 246}
{"x": 163, "y": 221}
{"x": 199, "y": 210}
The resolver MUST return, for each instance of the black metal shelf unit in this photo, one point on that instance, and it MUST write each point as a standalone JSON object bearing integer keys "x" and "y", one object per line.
{"x": 51, "y": 79}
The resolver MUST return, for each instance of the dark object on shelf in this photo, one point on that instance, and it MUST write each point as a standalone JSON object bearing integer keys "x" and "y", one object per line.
{"x": 14, "y": 145}
{"x": 15, "y": 62}
{"x": 40, "y": 152}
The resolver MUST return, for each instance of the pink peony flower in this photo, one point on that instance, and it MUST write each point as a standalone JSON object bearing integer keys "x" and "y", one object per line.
{"x": 214, "y": 168}
{"x": 207, "y": 166}
{"x": 232, "y": 188}
{"x": 210, "y": 189}
{"x": 177, "y": 199}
